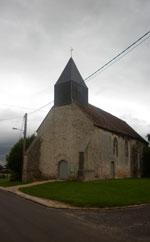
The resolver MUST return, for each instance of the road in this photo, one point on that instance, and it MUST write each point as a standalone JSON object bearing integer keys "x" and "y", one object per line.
{"x": 24, "y": 221}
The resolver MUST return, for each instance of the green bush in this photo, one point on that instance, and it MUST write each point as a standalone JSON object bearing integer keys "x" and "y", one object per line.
{"x": 15, "y": 158}
{"x": 146, "y": 162}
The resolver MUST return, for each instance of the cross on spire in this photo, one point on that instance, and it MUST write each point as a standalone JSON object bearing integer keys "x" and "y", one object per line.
{"x": 71, "y": 50}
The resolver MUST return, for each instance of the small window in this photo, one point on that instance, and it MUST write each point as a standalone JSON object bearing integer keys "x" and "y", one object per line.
{"x": 126, "y": 148}
{"x": 115, "y": 147}
{"x": 81, "y": 160}
{"x": 112, "y": 169}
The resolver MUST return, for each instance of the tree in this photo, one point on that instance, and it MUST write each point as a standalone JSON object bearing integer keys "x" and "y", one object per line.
{"x": 148, "y": 137}
{"x": 15, "y": 158}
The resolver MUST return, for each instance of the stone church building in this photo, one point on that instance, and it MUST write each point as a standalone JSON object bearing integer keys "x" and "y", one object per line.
{"x": 77, "y": 140}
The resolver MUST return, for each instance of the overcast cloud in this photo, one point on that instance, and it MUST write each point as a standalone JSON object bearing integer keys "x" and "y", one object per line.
{"x": 35, "y": 41}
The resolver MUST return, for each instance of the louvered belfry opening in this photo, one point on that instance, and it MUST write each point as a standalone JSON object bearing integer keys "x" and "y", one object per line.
{"x": 70, "y": 87}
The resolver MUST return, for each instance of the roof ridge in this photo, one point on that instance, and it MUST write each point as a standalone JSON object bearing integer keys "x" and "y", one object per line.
{"x": 110, "y": 122}
{"x": 107, "y": 113}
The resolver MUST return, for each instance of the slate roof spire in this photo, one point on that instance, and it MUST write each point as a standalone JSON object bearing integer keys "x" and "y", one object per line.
{"x": 70, "y": 86}
{"x": 71, "y": 73}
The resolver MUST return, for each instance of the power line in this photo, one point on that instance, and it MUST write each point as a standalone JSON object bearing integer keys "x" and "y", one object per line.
{"x": 36, "y": 110}
{"x": 18, "y": 118}
{"x": 15, "y": 106}
{"x": 129, "y": 48}
{"x": 113, "y": 62}
{"x": 21, "y": 128}
{"x": 102, "y": 68}
{"x": 9, "y": 119}
{"x": 40, "y": 92}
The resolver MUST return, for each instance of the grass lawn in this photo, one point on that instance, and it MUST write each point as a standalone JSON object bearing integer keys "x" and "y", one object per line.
{"x": 5, "y": 182}
{"x": 104, "y": 193}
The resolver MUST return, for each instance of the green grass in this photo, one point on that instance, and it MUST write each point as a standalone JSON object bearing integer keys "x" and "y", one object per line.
{"x": 106, "y": 193}
{"x": 5, "y": 182}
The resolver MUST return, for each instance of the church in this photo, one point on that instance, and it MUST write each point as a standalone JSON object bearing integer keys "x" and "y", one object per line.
{"x": 77, "y": 140}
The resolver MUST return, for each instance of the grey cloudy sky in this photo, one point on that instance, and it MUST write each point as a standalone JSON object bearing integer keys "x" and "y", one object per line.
{"x": 35, "y": 41}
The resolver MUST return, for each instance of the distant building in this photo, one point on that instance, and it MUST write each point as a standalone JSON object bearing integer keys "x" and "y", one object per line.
{"x": 2, "y": 163}
{"x": 79, "y": 140}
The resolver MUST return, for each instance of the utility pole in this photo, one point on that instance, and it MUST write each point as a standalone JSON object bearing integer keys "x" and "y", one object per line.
{"x": 24, "y": 138}
{"x": 24, "y": 134}
{"x": 24, "y": 130}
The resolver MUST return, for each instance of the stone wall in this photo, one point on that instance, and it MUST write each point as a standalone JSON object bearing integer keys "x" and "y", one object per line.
{"x": 101, "y": 157}
{"x": 67, "y": 131}
{"x": 31, "y": 161}
{"x": 64, "y": 133}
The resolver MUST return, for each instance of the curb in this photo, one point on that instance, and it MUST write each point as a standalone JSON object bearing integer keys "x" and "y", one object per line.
{"x": 57, "y": 204}
{"x": 42, "y": 201}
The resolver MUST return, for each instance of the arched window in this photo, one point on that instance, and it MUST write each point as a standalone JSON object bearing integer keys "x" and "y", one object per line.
{"x": 126, "y": 148}
{"x": 115, "y": 147}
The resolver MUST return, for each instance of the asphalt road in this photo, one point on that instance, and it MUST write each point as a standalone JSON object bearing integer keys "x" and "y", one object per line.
{"x": 24, "y": 221}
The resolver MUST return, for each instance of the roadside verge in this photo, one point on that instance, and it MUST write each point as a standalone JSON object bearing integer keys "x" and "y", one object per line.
{"x": 45, "y": 202}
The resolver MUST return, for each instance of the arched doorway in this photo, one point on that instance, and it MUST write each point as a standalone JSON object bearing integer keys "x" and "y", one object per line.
{"x": 63, "y": 170}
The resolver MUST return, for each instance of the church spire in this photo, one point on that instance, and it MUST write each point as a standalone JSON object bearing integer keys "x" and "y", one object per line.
{"x": 70, "y": 86}
{"x": 71, "y": 73}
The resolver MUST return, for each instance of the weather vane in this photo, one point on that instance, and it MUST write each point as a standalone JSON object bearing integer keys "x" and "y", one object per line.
{"x": 71, "y": 50}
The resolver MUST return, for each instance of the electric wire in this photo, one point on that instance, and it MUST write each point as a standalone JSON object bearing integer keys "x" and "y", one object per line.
{"x": 21, "y": 128}
{"x": 9, "y": 119}
{"x": 121, "y": 53}
{"x": 38, "y": 109}
{"x": 113, "y": 62}
{"x": 102, "y": 68}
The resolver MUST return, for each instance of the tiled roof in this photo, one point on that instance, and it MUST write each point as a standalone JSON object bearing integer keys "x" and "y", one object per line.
{"x": 111, "y": 123}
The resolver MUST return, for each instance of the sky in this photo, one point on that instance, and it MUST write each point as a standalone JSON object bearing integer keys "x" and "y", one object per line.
{"x": 35, "y": 41}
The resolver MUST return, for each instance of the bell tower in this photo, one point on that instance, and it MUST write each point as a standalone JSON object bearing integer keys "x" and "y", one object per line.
{"x": 70, "y": 87}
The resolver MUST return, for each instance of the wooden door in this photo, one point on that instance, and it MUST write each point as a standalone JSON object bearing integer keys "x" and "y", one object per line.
{"x": 63, "y": 170}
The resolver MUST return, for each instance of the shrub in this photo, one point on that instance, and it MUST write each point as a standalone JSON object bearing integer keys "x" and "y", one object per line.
{"x": 15, "y": 158}
{"x": 146, "y": 162}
